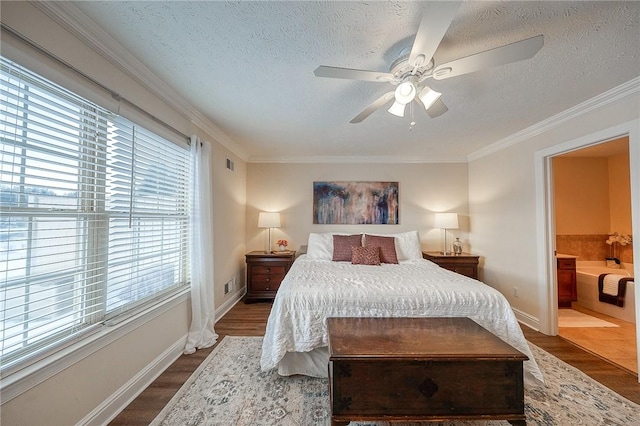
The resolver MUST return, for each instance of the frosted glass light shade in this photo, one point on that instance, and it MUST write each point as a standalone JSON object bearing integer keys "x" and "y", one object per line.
{"x": 405, "y": 92}
{"x": 397, "y": 109}
{"x": 268, "y": 220}
{"x": 428, "y": 96}
{"x": 445, "y": 220}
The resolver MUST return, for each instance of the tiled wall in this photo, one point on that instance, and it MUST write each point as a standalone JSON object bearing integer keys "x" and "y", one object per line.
{"x": 591, "y": 247}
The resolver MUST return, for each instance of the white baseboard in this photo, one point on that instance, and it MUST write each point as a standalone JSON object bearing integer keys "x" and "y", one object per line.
{"x": 226, "y": 306}
{"x": 528, "y": 320}
{"x": 119, "y": 400}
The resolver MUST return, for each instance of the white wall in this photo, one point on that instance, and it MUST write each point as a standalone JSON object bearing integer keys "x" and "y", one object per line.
{"x": 108, "y": 373}
{"x": 288, "y": 188}
{"x": 503, "y": 203}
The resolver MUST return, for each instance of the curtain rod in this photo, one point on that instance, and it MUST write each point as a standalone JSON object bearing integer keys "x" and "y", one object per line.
{"x": 115, "y": 95}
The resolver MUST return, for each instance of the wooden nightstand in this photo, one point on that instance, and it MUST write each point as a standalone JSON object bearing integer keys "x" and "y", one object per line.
{"x": 464, "y": 264}
{"x": 265, "y": 272}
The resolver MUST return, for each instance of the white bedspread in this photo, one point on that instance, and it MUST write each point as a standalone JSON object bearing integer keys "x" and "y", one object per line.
{"x": 314, "y": 290}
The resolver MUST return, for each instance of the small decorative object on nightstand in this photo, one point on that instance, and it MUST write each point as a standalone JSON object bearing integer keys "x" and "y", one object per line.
{"x": 463, "y": 263}
{"x": 457, "y": 246}
{"x": 265, "y": 272}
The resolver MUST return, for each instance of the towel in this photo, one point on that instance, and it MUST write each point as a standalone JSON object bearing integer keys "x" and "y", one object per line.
{"x": 612, "y": 287}
{"x": 610, "y": 284}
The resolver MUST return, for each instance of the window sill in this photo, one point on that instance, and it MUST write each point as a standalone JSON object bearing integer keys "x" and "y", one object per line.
{"x": 32, "y": 375}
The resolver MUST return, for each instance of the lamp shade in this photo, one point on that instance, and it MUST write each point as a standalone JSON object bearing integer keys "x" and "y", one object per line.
{"x": 268, "y": 220}
{"x": 446, "y": 220}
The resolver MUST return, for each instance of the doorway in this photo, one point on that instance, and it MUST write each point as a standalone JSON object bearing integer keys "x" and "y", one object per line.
{"x": 591, "y": 202}
{"x": 548, "y": 300}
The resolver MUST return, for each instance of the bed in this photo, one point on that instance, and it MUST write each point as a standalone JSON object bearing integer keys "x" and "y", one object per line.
{"x": 318, "y": 286}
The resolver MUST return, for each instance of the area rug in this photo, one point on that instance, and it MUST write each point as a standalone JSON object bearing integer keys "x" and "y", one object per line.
{"x": 230, "y": 389}
{"x": 571, "y": 318}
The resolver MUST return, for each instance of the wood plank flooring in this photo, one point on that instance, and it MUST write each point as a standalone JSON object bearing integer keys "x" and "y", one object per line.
{"x": 251, "y": 320}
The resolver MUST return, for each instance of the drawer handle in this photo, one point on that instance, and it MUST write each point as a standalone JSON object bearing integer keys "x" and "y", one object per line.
{"x": 268, "y": 279}
{"x": 268, "y": 269}
{"x": 268, "y": 288}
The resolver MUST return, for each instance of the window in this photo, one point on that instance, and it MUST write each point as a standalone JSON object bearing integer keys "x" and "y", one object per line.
{"x": 94, "y": 215}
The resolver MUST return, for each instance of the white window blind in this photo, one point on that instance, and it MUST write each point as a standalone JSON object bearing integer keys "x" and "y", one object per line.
{"x": 93, "y": 215}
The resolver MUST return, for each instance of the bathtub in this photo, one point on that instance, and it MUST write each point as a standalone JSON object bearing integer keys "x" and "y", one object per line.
{"x": 587, "y": 274}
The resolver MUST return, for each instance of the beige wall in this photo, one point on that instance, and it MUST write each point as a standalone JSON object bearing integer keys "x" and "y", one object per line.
{"x": 288, "y": 188}
{"x": 592, "y": 199}
{"x": 619, "y": 194}
{"x": 581, "y": 188}
{"x": 502, "y": 203}
{"x": 71, "y": 395}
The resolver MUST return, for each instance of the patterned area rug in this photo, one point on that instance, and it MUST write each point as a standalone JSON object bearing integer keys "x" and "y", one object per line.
{"x": 229, "y": 389}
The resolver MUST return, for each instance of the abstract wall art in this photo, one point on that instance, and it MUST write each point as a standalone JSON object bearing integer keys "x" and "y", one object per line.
{"x": 355, "y": 203}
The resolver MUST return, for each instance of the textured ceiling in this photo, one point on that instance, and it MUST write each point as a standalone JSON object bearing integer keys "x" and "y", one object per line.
{"x": 248, "y": 67}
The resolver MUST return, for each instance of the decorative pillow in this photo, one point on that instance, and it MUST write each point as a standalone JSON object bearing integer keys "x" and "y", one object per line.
{"x": 387, "y": 247}
{"x": 365, "y": 255}
{"x": 407, "y": 244}
{"x": 342, "y": 246}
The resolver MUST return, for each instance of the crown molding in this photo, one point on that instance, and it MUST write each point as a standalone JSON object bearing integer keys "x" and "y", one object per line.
{"x": 629, "y": 88}
{"x": 355, "y": 160}
{"x": 81, "y": 26}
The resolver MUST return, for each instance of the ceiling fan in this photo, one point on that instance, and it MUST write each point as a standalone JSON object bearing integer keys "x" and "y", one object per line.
{"x": 410, "y": 71}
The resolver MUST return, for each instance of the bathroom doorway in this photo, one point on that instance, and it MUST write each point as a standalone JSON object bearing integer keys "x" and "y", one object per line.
{"x": 592, "y": 214}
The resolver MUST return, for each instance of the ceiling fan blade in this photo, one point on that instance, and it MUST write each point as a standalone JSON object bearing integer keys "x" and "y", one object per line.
{"x": 372, "y": 107}
{"x": 350, "y": 74}
{"x": 433, "y": 26}
{"x": 436, "y": 110}
{"x": 513, "y": 52}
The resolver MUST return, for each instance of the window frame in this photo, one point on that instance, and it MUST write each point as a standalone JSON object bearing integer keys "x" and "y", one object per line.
{"x": 103, "y": 327}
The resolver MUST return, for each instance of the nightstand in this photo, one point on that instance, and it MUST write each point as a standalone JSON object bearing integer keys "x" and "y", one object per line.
{"x": 464, "y": 264}
{"x": 265, "y": 272}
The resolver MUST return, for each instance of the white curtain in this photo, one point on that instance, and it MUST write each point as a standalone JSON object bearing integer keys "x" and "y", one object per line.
{"x": 201, "y": 332}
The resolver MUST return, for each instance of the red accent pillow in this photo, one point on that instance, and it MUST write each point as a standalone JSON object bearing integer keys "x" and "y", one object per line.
{"x": 365, "y": 255}
{"x": 342, "y": 246}
{"x": 387, "y": 247}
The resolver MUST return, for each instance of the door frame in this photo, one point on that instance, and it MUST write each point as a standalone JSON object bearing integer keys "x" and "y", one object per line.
{"x": 548, "y": 299}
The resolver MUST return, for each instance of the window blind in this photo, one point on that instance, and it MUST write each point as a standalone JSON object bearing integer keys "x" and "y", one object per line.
{"x": 93, "y": 217}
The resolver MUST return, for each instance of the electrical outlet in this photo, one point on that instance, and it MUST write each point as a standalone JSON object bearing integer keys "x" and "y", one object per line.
{"x": 515, "y": 292}
{"x": 230, "y": 285}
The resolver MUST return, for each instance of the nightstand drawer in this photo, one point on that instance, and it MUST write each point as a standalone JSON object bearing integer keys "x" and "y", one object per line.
{"x": 468, "y": 271}
{"x": 464, "y": 264}
{"x": 273, "y": 270}
{"x": 265, "y": 285}
{"x": 266, "y": 278}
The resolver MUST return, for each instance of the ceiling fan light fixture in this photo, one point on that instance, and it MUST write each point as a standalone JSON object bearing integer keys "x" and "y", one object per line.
{"x": 429, "y": 96}
{"x": 397, "y": 109}
{"x": 405, "y": 92}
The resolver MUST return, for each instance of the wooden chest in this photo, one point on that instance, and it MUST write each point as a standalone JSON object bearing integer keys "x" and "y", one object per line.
{"x": 416, "y": 369}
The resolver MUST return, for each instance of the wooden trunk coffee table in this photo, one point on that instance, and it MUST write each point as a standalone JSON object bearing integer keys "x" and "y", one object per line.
{"x": 412, "y": 369}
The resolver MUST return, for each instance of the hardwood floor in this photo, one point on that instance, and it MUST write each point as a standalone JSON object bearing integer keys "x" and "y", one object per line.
{"x": 251, "y": 319}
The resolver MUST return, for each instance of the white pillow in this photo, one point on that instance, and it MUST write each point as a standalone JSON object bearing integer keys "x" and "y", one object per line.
{"x": 320, "y": 246}
{"x": 407, "y": 245}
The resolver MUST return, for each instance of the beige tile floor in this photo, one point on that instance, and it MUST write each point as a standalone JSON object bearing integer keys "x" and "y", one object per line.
{"x": 616, "y": 344}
